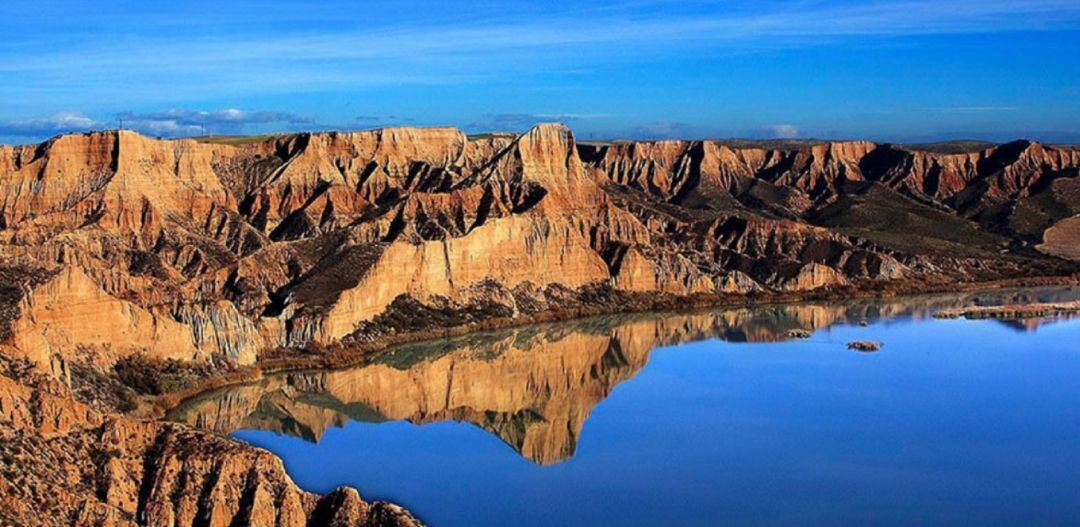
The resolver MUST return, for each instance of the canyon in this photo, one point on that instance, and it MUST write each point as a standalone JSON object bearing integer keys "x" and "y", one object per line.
{"x": 114, "y": 243}
{"x": 230, "y": 252}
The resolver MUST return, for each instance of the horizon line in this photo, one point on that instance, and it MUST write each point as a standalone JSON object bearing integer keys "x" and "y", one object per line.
{"x": 799, "y": 141}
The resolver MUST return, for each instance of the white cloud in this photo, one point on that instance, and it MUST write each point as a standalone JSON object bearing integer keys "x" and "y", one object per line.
{"x": 784, "y": 131}
{"x": 57, "y": 123}
{"x": 168, "y": 123}
{"x": 661, "y": 130}
{"x": 179, "y": 122}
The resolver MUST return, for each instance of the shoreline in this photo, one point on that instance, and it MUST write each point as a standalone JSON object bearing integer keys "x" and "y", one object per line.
{"x": 1029, "y": 311}
{"x": 340, "y": 356}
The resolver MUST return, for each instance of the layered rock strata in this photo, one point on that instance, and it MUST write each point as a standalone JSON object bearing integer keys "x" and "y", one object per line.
{"x": 64, "y": 463}
{"x": 112, "y": 243}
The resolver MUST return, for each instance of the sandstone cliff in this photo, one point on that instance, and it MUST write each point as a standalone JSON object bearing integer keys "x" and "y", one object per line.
{"x": 115, "y": 244}
{"x": 63, "y": 463}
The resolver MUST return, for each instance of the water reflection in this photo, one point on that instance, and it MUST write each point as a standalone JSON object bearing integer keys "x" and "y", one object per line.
{"x": 533, "y": 387}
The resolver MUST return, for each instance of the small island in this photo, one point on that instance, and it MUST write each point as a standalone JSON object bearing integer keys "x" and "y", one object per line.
{"x": 1013, "y": 312}
{"x": 865, "y": 346}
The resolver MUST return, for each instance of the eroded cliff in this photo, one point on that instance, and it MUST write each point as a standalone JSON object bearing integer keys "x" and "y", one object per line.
{"x": 115, "y": 244}
{"x": 64, "y": 463}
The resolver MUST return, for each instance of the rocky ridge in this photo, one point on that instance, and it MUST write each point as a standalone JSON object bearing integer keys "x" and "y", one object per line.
{"x": 114, "y": 243}
{"x": 114, "y": 246}
{"x": 64, "y": 463}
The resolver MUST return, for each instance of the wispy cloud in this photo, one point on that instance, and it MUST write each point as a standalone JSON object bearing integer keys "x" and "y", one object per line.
{"x": 463, "y": 51}
{"x": 449, "y": 63}
{"x": 662, "y": 130}
{"x": 168, "y": 123}
{"x": 368, "y": 121}
{"x": 179, "y": 122}
{"x": 783, "y": 131}
{"x": 515, "y": 122}
{"x": 57, "y": 123}
{"x": 979, "y": 109}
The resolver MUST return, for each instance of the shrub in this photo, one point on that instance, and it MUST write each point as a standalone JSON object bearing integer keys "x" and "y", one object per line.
{"x": 150, "y": 376}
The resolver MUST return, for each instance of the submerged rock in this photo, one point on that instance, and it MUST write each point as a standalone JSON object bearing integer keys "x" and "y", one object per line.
{"x": 866, "y": 346}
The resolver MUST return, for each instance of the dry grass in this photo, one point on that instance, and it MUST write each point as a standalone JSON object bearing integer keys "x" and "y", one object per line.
{"x": 236, "y": 140}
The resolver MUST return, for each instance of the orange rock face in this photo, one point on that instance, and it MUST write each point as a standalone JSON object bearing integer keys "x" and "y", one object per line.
{"x": 62, "y": 463}
{"x": 112, "y": 243}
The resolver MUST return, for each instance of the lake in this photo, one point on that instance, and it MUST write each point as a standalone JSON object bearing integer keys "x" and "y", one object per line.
{"x": 702, "y": 418}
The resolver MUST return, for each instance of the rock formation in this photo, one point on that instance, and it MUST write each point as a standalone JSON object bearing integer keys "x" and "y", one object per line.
{"x": 114, "y": 243}
{"x": 115, "y": 246}
{"x": 63, "y": 463}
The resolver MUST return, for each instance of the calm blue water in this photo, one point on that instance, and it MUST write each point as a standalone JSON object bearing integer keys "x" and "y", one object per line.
{"x": 953, "y": 422}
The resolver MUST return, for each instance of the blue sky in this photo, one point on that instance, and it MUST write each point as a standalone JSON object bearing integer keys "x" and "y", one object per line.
{"x": 894, "y": 70}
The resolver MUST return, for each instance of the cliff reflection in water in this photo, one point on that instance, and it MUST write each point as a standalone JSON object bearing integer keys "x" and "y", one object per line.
{"x": 533, "y": 387}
